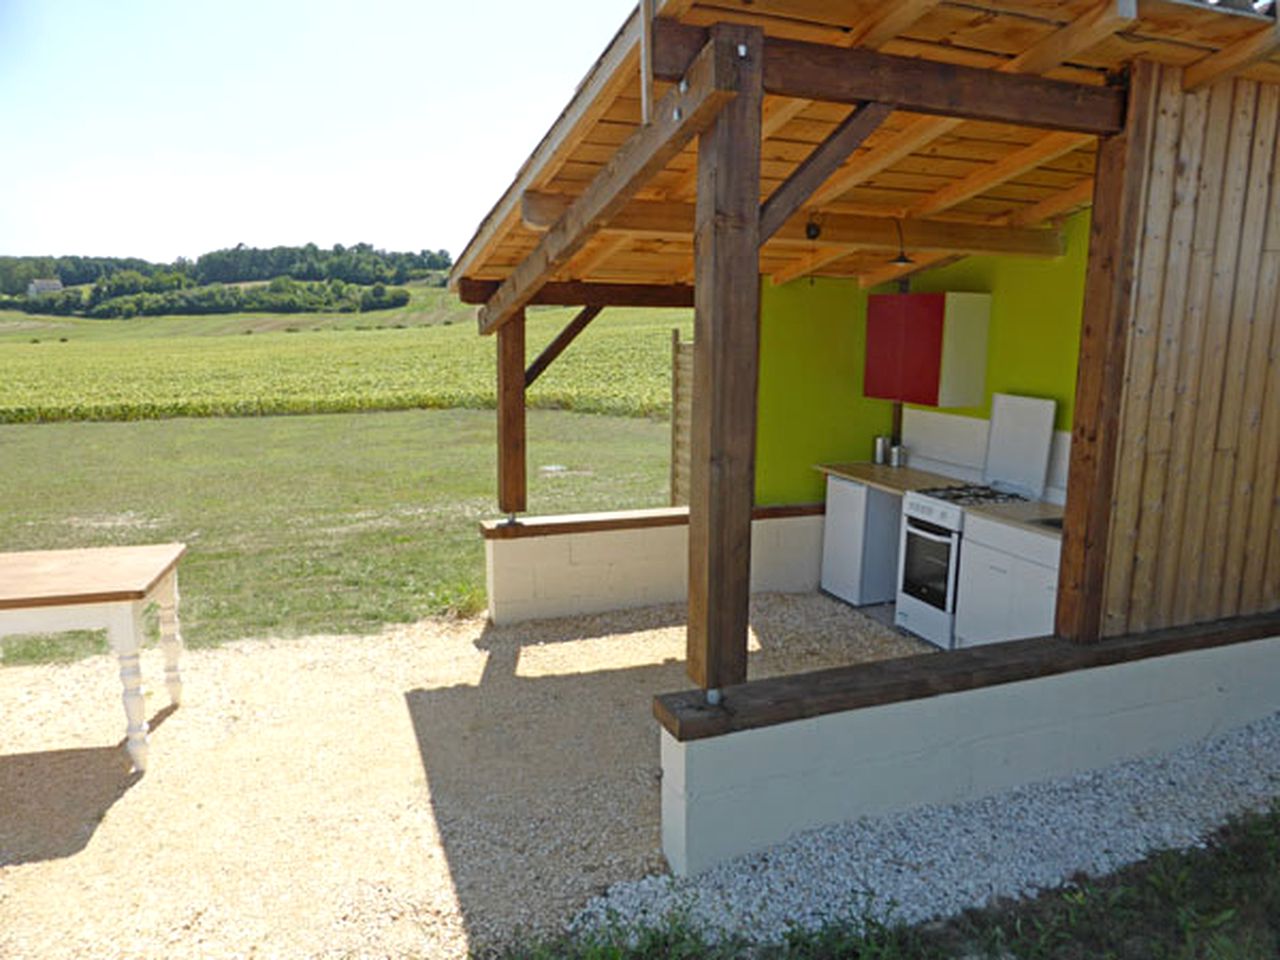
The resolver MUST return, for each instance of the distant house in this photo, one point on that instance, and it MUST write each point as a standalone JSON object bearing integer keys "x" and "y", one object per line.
{"x": 39, "y": 287}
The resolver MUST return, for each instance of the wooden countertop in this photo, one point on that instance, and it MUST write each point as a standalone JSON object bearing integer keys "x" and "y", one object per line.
{"x": 44, "y": 578}
{"x": 900, "y": 480}
{"x": 896, "y": 480}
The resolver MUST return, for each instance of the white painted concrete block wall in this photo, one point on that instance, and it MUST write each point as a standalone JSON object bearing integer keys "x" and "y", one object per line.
{"x": 730, "y": 795}
{"x": 590, "y": 572}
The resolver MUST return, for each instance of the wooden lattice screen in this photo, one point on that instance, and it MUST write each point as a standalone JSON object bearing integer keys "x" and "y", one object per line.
{"x": 681, "y": 416}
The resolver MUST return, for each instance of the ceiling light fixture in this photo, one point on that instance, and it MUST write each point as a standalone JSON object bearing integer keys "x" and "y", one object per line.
{"x": 901, "y": 260}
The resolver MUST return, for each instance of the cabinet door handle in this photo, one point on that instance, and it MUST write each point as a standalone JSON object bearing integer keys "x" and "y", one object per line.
{"x": 992, "y": 567}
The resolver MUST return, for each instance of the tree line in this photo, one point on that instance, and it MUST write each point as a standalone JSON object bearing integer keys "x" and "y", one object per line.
{"x": 360, "y": 264}
{"x": 131, "y": 294}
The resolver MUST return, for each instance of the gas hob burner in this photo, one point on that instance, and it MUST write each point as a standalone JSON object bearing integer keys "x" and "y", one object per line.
{"x": 969, "y": 494}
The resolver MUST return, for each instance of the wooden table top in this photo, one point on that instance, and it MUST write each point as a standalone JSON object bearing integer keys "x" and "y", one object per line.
{"x": 49, "y": 578}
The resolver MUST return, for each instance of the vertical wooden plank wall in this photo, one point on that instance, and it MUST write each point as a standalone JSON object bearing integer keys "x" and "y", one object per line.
{"x": 1195, "y": 526}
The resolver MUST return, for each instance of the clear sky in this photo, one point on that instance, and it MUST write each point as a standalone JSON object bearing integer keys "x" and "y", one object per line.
{"x": 160, "y": 128}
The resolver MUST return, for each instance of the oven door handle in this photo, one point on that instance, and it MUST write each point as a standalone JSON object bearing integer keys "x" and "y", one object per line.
{"x": 936, "y": 538}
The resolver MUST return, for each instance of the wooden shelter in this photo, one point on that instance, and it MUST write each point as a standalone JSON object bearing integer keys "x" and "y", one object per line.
{"x": 716, "y": 142}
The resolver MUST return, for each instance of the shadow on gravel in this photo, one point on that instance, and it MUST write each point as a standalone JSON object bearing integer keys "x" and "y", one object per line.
{"x": 52, "y": 801}
{"x": 545, "y": 777}
{"x": 544, "y": 788}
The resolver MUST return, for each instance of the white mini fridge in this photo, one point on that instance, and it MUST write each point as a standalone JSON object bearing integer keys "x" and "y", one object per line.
{"x": 860, "y": 542}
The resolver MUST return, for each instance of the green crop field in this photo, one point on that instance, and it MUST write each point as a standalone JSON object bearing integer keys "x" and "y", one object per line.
{"x": 424, "y": 355}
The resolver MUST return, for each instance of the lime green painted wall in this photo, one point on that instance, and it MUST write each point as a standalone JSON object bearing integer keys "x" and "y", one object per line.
{"x": 1036, "y": 308}
{"x": 813, "y": 338}
{"x": 811, "y": 408}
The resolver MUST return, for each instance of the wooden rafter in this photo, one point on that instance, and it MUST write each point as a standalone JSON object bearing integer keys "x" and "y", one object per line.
{"x": 1230, "y": 60}
{"x": 683, "y": 113}
{"x": 1047, "y": 148}
{"x": 1084, "y": 32}
{"x": 819, "y": 165}
{"x": 1054, "y": 206}
{"x": 560, "y": 343}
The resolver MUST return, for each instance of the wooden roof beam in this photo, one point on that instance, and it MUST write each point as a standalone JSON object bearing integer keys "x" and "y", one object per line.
{"x": 575, "y": 293}
{"x": 1056, "y": 205}
{"x": 1231, "y": 60}
{"x": 814, "y": 71}
{"x": 669, "y": 219}
{"x": 682, "y": 114}
{"x": 1087, "y": 30}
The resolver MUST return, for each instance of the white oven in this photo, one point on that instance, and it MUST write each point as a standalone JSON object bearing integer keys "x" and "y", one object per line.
{"x": 928, "y": 564}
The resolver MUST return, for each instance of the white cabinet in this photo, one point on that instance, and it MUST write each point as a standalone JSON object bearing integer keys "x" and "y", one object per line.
{"x": 860, "y": 542}
{"x": 1008, "y": 582}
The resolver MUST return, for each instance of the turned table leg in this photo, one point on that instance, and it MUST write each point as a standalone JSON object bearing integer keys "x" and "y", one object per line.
{"x": 170, "y": 635}
{"x": 125, "y": 635}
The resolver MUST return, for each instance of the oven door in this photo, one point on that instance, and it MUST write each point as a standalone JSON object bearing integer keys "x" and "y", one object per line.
{"x": 929, "y": 555}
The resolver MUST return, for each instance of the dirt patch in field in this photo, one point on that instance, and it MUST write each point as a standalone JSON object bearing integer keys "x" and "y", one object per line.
{"x": 434, "y": 788}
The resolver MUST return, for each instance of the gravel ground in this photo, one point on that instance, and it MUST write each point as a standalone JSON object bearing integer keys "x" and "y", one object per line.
{"x": 938, "y": 860}
{"x": 435, "y": 787}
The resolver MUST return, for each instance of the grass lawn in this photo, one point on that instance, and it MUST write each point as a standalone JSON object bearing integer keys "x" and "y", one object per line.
{"x": 307, "y": 524}
{"x": 424, "y": 355}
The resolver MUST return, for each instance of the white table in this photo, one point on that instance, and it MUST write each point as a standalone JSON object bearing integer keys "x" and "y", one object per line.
{"x": 49, "y": 591}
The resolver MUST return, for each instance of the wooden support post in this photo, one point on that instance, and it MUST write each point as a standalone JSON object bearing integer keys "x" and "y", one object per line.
{"x": 726, "y": 346}
{"x": 512, "y": 485}
{"x": 1114, "y": 237}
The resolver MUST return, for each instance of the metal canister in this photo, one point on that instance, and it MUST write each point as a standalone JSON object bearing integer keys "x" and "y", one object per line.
{"x": 881, "y": 450}
{"x": 897, "y": 455}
